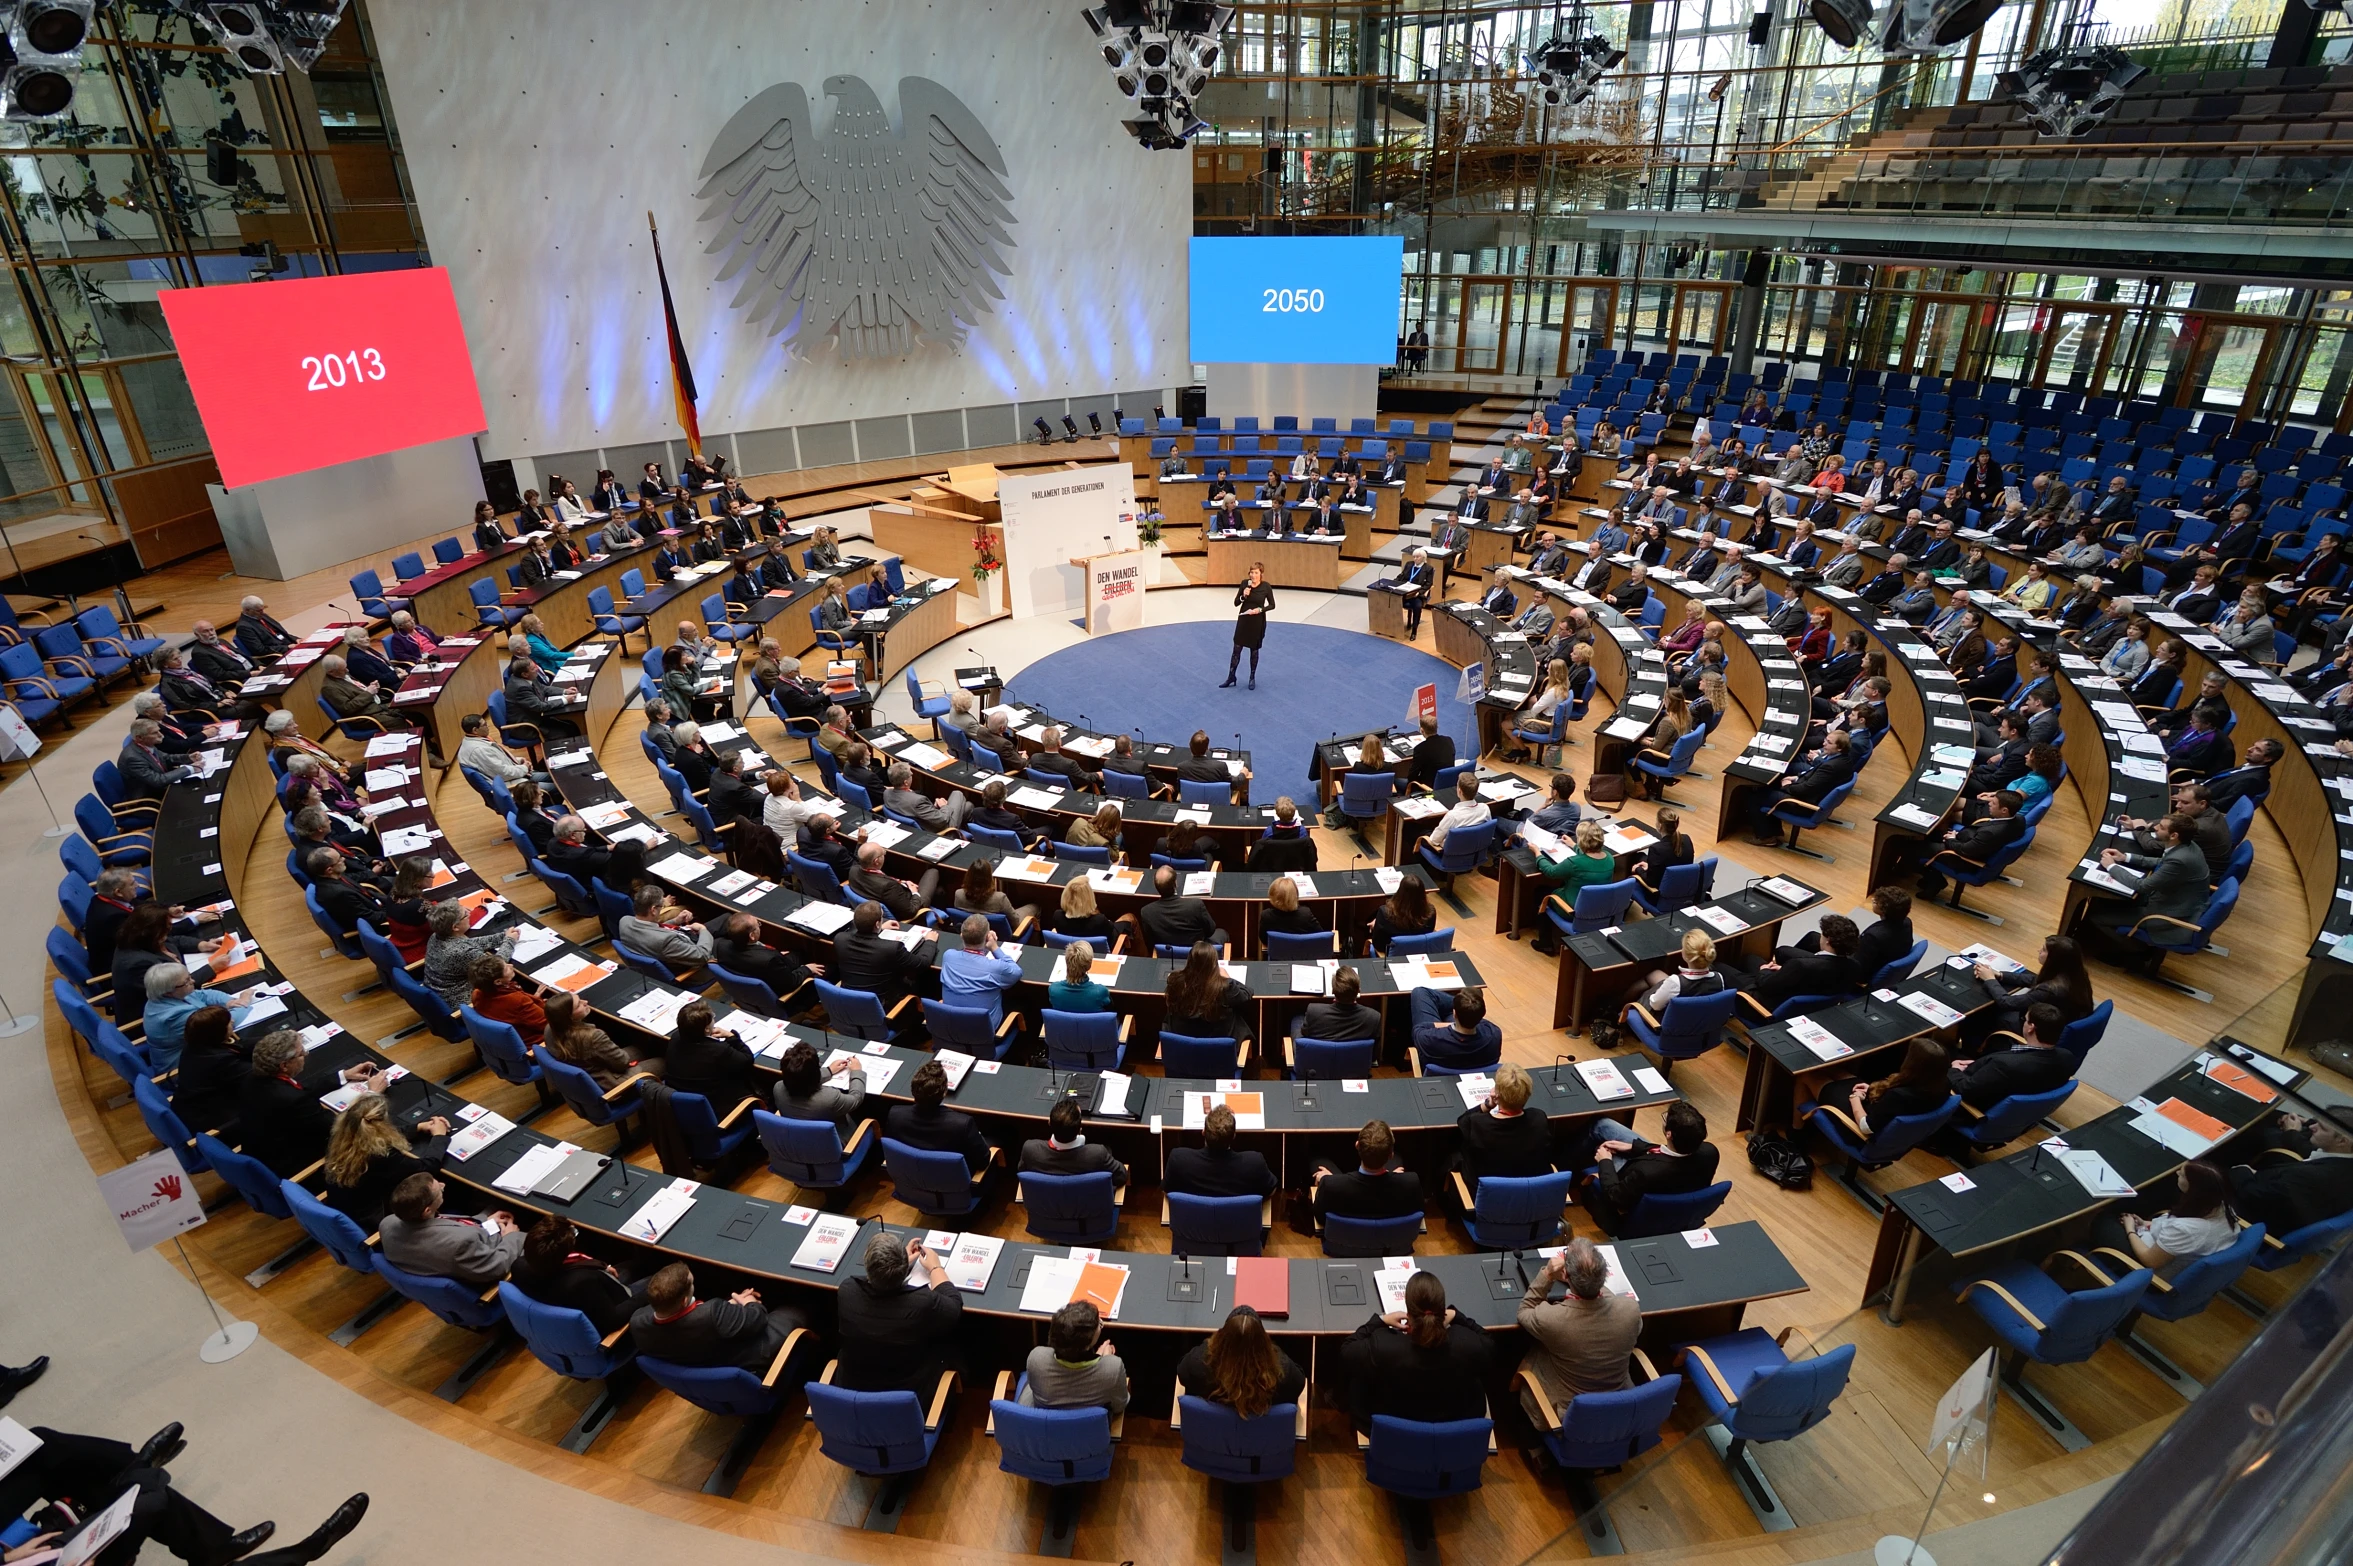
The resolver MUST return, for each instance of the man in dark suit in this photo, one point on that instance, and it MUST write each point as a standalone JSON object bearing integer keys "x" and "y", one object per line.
{"x": 1503, "y": 1136}
{"x": 341, "y": 898}
{"x": 2173, "y": 885}
{"x": 1827, "y": 967}
{"x": 1065, "y": 1150}
{"x": 1217, "y": 1167}
{"x": 1372, "y": 1190}
{"x": 1977, "y": 841}
{"x": 1287, "y": 844}
{"x": 223, "y": 663}
{"x": 929, "y": 1124}
{"x": 1594, "y": 575}
{"x": 1499, "y": 600}
{"x": 1472, "y": 508}
{"x": 871, "y": 882}
{"x": 2252, "y": 780}
{"x": 737, "y": 947}
{"x": 2031, "y": 1065}
{"x": 1630, "y": 1168}
{"x": 675, "y": 1326}
{"x": 1049, "y": 757}
{"x": 569, "y": 852}
{"x": 531, "y": 698}
{"x": 865, "y": 958}
{"x": 1341, "y": 1018}
{"x": 280, "y": 1116}
{"x": 893, "y": 1338}
{"x": 1883, "y": 588}
{"x": 1199, "y": 766}
{"x": 1943, "y": 551}
{"x": 1432, "y": 756}
{"x": 146, "y": 773}
{"x": 258, "y": 636}
{"x": 2285, "y": 1195}
{"x": 718, "y": 1066}
{"x": 1806, "y": 786}
{"x": 1171, "y": 920}
{"x": 2004, "y": 762}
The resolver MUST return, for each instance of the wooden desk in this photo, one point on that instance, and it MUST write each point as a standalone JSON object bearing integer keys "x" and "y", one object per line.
{"x": 915, "y": 633}
{"x": 1384, "y": 611}
{"x": 1489, "y": 546}
{"x": 1289, "y": 562}
{"x": 976, "y": 486}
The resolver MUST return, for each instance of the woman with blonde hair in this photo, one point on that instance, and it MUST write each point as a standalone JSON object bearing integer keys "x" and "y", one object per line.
{"x": 1696, "y": 975}
{"x": 367, "y": 1156}
{"x": 1078, "y": 914}
{"x": 531, "y": 631}
{"x": 1283, "y": 913}
{"x": 1076, "y": 988}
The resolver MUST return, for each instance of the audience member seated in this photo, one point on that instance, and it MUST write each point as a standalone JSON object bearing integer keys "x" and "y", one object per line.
{"x": 1424, "y": 1363}
{"x": 808, "y": 1090}
{"x": 1341, "y": 1017}
{"x": 418, "y": 1237}
{"x": 719, "y": 1066}
{"x": 1452, "y": 1031}
{"x": 1241, "y": 1367}
{"x": 1076, "y": 1366}
{"x": 1373, "y": 1189}
{"x": 737, "y": 947}
{"x": 1630, "y": 1168}
{"x": 1917, "y": 1086}
{"x": 1830, "y": 969}
{"x": 893, "y": 1338}
{"x": 1583, "y": 1341}
{"x": 500, "y": 999}
{"x": 572, "y": 1038}
{"x": 866, "y": 957}
{"x": 2167, "y": 1229}
{"x": 1170, "y": 920}
{"x": 1075, "y": 988}
{"x": 1406, "y": 911}
{"x": 739, "y": 1330}
{"x": 368, "y": 1157}
{"x": 1502, "y": 1136}
{"x": 283, "y": 1122}
{"x": 687, "y": 945}
{"x": 2033, "y": 1064}
{"x": 1065, "y": 1150}
{"x": 2287, "y": 1194}
{"x": 1217, "y": 1167}
{"x": 554, "y": 1271}
{"x": 928, "y": 1124}
{"x": 1202, "y": 1003}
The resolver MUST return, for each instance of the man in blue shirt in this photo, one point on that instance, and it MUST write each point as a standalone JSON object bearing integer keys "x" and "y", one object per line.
{"x": 1453, "y": 1031}
{"x": 977, "y": 974}
{"x": 1918, "y": 601}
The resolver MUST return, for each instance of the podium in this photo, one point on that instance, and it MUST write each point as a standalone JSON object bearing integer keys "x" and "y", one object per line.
{"x": 1115, "y": 585}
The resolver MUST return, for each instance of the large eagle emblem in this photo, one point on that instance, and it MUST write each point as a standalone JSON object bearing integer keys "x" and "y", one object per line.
{"x": 875, "y": 240}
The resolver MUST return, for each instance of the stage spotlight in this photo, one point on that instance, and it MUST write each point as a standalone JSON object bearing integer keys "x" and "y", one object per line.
{"x": 1844, "y": 22}
{"x": 2071, "y": 86}
{"x": 1045, "y": 430}
{"x": 51, "y": 27}
{"x": 266, "y": 36}
{"x": 1070, "y": 428}
{"x": 1095, "y": 423}
{"x": 41, "y": 57}
{"x": 1927, "y": 26}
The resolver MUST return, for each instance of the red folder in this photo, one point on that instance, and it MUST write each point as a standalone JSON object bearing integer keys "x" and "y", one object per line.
{"x": 1264, "y": 1284}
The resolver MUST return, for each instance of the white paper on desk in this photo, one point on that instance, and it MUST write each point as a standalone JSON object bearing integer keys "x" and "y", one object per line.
{"x": 1052, "y": 1279}
{"x": 2093, "y": 875}
{"x": 2142, "y": 768}
{"x": 970, "y": 1260}
{"x": 1722, "y": 921}
{"x": 1389, "y": 878}
{"x": 385, "y": 780}
{"x": 1031, "y": 797}
{"x": 1618, "y": 1283}
{"x": 1651, "y": 1079}
{"x": 826, "y": 1243}
{"x": 486, "y": 1128}
{"x": 955, "y": 1063}
{"x": 879, "y": 1068}
{"x": 681, "y": 867}
{"x": 885, "y": 834}
{"x": 636, "y": 832}
{"x": 1419, "y": 807}
{"x": 1825, "y": 1044}
{"x": 555, "y": 973}
{"x": 262, "y": 1010}
{"x": 1198, "y": 883}
{"x": 919, "y": 754}
{"x": 1978, "y": 951}
{"x": 2169, "y": 1134}
{"x": 2093, "y": 1172}
{"x": 1604, "y": 1080}
{"x": 2143, "y": 743}
{"x": 1931, "y": 1010}
{"x": 1029, "y": 867}
{"x": 385, "y": 745}
{"x": 1625, "y": 728}
{"x": 16, "y": 1444}
{"x": 939, "y": 848}
{"x": 1626, "y": 839}
{"x": 1391, "y": 1281}
{"x": 820, "y": 918}
{"x": 535, "y": 1164}
{"x": 407, "y": 840}
{"x": 664, "y": 1208}
{"x": 656, "y": 1011}
{"x": 731, "y": 883}
{"x": 602, "y": 816}
{"x": 1475, "y": 1089}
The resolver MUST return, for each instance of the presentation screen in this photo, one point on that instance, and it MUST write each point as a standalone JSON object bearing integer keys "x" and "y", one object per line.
{"x": 291, "y": 376}
{"x": 1296, "y": 301}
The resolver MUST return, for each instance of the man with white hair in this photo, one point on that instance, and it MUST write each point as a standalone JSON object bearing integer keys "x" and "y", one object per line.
{"x": 223, "y": 663}
{"x": 184, "y": 689}
{"x": 178, "y": 735}
{"x": 258, "y": 636}
{"x": 145, "y": 772}
{"x": 349, "y": 697}
{"x": 901, "y": 795}
{"x": 903, "y": 900}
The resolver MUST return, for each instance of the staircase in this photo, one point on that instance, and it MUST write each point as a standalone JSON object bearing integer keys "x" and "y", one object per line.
{"x": 1823, "y": 178}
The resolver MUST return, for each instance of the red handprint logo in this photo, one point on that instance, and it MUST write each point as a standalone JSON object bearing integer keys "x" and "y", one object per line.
{"x": 168, "y": 1187}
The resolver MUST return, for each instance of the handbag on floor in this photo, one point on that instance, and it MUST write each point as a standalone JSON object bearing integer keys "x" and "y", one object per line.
{"x": 1780, "y": 1160}
{"x": 1606, "y": 788}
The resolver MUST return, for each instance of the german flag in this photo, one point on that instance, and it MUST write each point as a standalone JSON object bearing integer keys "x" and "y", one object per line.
{"x": 682, "y": 392}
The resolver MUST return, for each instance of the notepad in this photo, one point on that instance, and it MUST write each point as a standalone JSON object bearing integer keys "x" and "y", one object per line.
{"x": 663, "y": 1209}
{"x": 2177, "y": 1126}
{"x": 572, "y": 973}
{"x": 1825, "y": 1044}
{"x": 1604, "y": 1080}
{"x": 485, "y": 1129}
{"x": 879, "y": 1068}
{"x": 1931, "y": 1010}
{"x": 826, "y": 1243}
{"x": 970, "y": 1260}
{"x": 1055, "y": 1281}
{"x": 820, "y": 918}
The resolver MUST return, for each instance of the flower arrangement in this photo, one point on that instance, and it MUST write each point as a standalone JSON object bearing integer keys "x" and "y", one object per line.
{"x": 1148, "y": 524}
{"x": 984, "y": 558}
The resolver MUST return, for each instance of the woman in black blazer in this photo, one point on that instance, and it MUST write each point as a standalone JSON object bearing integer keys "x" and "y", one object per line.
{"x": 2059, "y": 979}
{"x": 1203, "y": 1003}
{"x": 1425, "y": 1363}
{"x": 554, "y": 1271}
{"x": 1254, "y": 601}
{"x": 1672, "y": 847}
{"x": 488, "y": 535}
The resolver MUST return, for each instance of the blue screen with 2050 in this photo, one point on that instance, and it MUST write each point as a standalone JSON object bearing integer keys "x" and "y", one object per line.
{"x": 1296, "y": 301}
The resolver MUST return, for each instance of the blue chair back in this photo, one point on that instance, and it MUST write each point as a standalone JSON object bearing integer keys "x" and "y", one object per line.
{"x": 1464, "y": 848}
{"x": 562, "y": 1339}
{"x": 456, "y": 1303}
{"x": 995, "y": 837}
{"x": 1201, "y": 791}
{"x": 756, "y": 996}
{"x": 721, "y": 1389}
{"x": 1052, "y": 1445}
{"x": 872, "y": 1433}
{"x": 1663, "y": 1213}
{"x": 1214, "y": 1225}
{"x": 1519, "y": 1213}
{"x": 1224, "y": 1445}
{"x": 1790, "y": 1399}
{"x": 1602, "y": 904}
{"x": 1679, "y": 888}
{"x": 1332, "y": 1059}
{"x": 67, "y": 956}
{"x": 2010, "y": 1119}
{"x": 501, "y": 1046}
{"x": 1606, "y": 1429}
{"x": 1439, "y": 940}
{"x": 1078, "y": 1209}
{"x": 1427, "y": 1461}
{"x": 1303, "y": 946}
{"x": 336, "y": 1233}
{"x": 1082, "y": 1040}
{"x": 1694, "y": 1024}
{"x": 579, "y": 1091}
{"x": 611, "y": 906}
{"x": 1364, "y": 796}
{"x": 698, "y": 1125}
{"x": 2088, "y": 1318}
{"x": 409, "y": 566}
{"x": 1905, "y": 1132}
{"x": 249, "y": 1177}
{"x": 1345, "y": 1236}
{"x": 2077, "y": 1038}
{"x": 164, "y": 1124}
{"x": 967, "y": 1028}
{"x": 2194, "y": 1287}
{"x": 426, "y": 1002}
{"x": 856, "y": 1012}
{"x": 806, "y": 1152}
{"x": 938, "y": 1185}
{"x": 1183, "y": 1055}
{"x": 1125, "y": 785}
{"x": 1896, "y": 972}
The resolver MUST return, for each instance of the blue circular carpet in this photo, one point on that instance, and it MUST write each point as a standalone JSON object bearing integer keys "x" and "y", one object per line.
{"x": 1313, "y": 681}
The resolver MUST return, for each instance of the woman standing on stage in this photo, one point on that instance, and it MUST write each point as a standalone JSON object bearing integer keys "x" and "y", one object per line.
{"x": 1255, "y": 600}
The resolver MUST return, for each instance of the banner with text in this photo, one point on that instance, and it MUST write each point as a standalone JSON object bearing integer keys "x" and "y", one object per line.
{"x": 1115, "y": 591}
{"x": 1056, "y": 518}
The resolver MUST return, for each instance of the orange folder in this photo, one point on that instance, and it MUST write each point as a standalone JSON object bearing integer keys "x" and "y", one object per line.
{"x": 577, "y": 982}
{"x": 239, "y": 970}
{"x": 1100, "y": 1287}
{"x": 2240, "y": 1080}
{"x": 1444, "y": 970}
{"x": 1099, "y": 969}
{"x": 1246, "y": 1103}
{"x": 2196, "y": 1120}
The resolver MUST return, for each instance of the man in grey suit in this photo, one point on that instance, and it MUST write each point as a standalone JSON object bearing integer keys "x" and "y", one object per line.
{"x": 901, "y": 794}
{"x": 145, "y": 772}
{"x": 1847, "y": 570}
{"x": 809, "y": 1091}
{"x": 687, "y": 946}
{"x": 418, "y": 1237}
{"x": 2171, "y": 886}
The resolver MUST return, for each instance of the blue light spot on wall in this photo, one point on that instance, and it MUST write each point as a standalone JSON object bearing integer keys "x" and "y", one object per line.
{"x": 992, "y": 363}
{"x": 1096, "y": 335}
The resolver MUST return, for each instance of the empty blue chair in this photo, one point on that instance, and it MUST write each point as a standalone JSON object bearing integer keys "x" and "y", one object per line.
{"x": 1365, "y": 796}
{"x": 408, "y": 567}
{"x": 812, "y": 1153}
{"x": 1331, "y": 1059}
{"x": 1079, "y": 1209}
{"x": 1085, "y": 1040}
{"x": 487, "y": 609}
{"x": 1184, "y": 1056}
{"x": 566, "y": 1342}
{"x": 859, "y": 1013}
{"x": 970, "y": 1029}
{"x": 460, "y": 1305}
{"x": 1758, "y": 1393}
{"x": 711, "y": 1139}
{"x": 882, "y": 1435}
{"x": 937, "y": 1185}
{"x": 1679, "y": 887}
{"x": 368, "y": 588}
{"x": 342, "y": 1239}
{"x": 1346, "y": 1236}
{"x": 1193, "y": 791}
{"x": 1421, "y": 1462}
{"x": 1299, "y": 946}
{"x": 1896, "y": 972}
{"x": 1676, "y": 765}
{"x": 2035, "y": 1317}
{"x": 727, "y": 1390}
{"x": 996, "y": 837}
{"x": 1216, "y": 1225}
{"x": 927, "y": 706}
{"x": 756, "y": 996}
{"x": 1600, "y": 1432}
{"x": 2010, "y": 1118}
{"x": 1058, "y": 1447}
{"x": 1514, "y": 1214}
{"x": 1691, "y": 1025}
{"x": 610, "y": 621}
{"x": 115, "y": 847}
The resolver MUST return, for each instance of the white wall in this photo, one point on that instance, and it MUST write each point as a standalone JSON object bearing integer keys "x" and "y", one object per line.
{"x": 540, "y": 133}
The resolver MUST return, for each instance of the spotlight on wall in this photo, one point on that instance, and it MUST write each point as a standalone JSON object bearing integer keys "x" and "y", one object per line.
{"x": 1162, "y": 54}
{"x": 2071, "y": 86}
{"x": 1927, "y": 26}
{"x": 1045, "y": 430}
{"x": 264, "y": 37}
{"x": 42, "y": 57}
{"x": 1843, "y": 22}
{"x": 1570, "y": 65}
{"x": 1094, "y": 424}
{"x": 1070, "y": 428}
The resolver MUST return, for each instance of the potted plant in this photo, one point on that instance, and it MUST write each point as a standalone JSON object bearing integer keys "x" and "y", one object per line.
{"x": 987, "y": 573}
{"x": 1148, "y": 524}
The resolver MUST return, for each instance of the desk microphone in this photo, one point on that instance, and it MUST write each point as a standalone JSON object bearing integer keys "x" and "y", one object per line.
{"x": 1559, "y": 1061}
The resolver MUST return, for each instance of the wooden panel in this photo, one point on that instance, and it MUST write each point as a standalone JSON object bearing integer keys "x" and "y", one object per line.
{"x": 167, "y": 511}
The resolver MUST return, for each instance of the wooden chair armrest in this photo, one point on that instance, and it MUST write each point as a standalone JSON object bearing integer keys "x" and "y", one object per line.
{"x": 489, "y": 1296}
{"x": 1638, "y": 1009}
{"x": 1958, "y": 858}
{"x": 1723, "y": 1387}
{"x": 857, "y": 1136}
{"x": 776, "y": 1368}
{"x": 1013, "y": 1022}
{"x": 1462, "y": 1189}
{"x": 2083, "y": 1261}
{"x": 1413, "y": 1058}
{"x": 826, "y": 1375}
{"x": 2009, "y": 1299}
{"x": 2131, "y": 1262}
{"x": 1650, "y": 1372}
{"x": 905, "y": 1001}
{"x": 626, "y": 1083}
{"x": 737, "y": 1113}
{"x": 1812, "y": 807}
{"x": 1363, "y": 1441}
{"x": 939, "y": 1397}
{"x": 2288, "y": 1153}
{"x": 1119, "y": 1420}
{"x": 1538, "y": 1398}
{"x": 1971, "y": 1110}
{"x": 1002, "y": 1392}
{"x": 1782, "y": 1338}
{"x": 1127, "y": 1027}
{"x": 1841, "y": 1116}
{"x": 614, "y": 1336}
{"x": 1024, "y": 927}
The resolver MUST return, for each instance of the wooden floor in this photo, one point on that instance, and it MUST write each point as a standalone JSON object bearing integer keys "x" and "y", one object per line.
{"x": 1859, "y": 1474}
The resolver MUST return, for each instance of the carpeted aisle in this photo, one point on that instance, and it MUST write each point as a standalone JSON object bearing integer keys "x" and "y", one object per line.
{"x": 1313, "y": 681}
